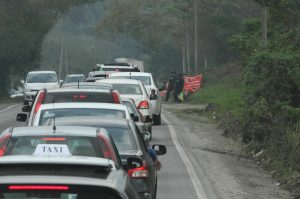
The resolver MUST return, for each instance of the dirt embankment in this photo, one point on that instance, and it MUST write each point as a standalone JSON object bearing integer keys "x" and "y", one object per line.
{"x": 222, "y": 162}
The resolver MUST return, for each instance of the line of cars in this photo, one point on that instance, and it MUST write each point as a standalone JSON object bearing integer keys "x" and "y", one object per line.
{"x": 84, "y": 140}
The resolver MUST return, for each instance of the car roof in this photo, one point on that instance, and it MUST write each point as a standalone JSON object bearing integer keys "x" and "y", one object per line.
{"x": 42, "y": 72}
{"x": 102, "y": 122}
{"x": 60, "y": 130}
{"x": 84, "y": 105}
{"x": 120, "y": 81}
{"x": 75, "y": 75}
{"x": 117, "y": 74}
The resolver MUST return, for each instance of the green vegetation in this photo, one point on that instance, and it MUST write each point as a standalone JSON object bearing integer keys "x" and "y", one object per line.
{"x": 268, "y": 115}
{"x": 24, "y": 25}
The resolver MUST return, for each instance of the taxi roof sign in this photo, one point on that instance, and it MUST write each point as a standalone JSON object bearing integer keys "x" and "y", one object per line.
{"x": 52, "y": 150}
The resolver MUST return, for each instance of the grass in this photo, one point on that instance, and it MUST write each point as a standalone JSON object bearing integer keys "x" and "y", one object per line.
{"x": 226, "y": 97}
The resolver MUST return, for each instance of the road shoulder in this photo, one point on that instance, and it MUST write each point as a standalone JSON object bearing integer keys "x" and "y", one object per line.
{"x": 219, "y": 161}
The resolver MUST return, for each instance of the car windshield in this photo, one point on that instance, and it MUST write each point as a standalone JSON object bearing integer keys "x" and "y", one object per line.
{"x": 41, "y": 78}
{"x": 122, "y": 137}
{"x": 145, "y": 79}
{"x": 49, "y": 114}
{"x": 74, "y": 79}
{"x": 42, "y": 145}
{"x": 128, "y": 89}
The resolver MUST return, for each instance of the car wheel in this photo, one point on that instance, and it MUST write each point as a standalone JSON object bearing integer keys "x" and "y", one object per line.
{"x": 157, "y": 119}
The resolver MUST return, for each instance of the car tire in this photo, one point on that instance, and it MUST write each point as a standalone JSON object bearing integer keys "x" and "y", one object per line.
{"x": 157, "y": 119}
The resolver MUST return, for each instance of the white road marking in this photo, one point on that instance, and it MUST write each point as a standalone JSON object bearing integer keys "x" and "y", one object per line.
{"x": 8, "y": 108}
{"x": 188, "y": 164}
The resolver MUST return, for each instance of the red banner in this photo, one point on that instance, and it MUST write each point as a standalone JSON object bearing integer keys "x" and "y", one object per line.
{"x": 192, "y": 83}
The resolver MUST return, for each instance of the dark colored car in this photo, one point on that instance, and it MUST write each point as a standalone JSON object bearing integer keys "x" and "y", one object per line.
{"x": 130, "y": 143}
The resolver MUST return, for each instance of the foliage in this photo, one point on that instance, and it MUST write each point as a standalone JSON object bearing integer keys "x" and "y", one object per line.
{"x": 162, "y": 27}
{"x": 23, "y": 27}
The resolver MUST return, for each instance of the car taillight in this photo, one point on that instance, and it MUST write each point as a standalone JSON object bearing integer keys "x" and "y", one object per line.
{"x": 139, "y": 172}
{"x": 38, "y": 187}
{"x": 107, "y": 149}
{"x": 143, "y": 105}
{"x": 115, "y": 96}
{"x": 4, "y": 142}
{"x": 39, "y": 101}
{"x": 54, "y": 139}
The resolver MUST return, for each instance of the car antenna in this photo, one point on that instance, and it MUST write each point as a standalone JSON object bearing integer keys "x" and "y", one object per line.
{"x": 54, "y": 125}
{"x": 78, "y": 84}
{"x": 130, "y": 75}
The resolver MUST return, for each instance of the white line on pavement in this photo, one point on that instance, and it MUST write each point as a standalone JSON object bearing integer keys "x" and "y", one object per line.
{"x": 188, "y": 164}
{"x": 10, "y": 107}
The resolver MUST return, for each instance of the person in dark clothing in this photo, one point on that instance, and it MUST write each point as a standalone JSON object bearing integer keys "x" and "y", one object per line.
{"x": 171, "y": 86}
{"x": 179, "y": 86}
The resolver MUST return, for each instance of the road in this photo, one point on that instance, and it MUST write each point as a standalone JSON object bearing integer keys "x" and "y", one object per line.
{"x": 200, "y": 162}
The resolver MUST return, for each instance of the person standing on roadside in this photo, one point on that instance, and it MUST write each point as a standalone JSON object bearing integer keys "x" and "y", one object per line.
{"x": 179, "y": 86}
{"x": 171, "y": 86}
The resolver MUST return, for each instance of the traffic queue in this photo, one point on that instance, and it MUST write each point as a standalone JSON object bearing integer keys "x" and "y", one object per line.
{"x": 85, "y": 138}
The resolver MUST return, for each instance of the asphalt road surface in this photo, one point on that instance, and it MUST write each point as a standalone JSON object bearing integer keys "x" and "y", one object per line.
{"x": 200, "y": 162}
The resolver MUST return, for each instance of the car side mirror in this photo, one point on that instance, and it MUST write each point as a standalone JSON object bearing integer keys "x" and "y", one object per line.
{"x": 26, "y": 109}
{"x": 21, "y": 117}
{"x": 134, "y": 162}
{"x": 22, "y": 82}
{"x": 147, "y": 136}
{"x": 148, "y": 119}
{"x": 159, "y": 149}
{"x": 134, "y": 117}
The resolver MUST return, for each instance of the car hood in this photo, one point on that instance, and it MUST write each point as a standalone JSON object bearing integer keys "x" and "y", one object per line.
{"x": 39, "y": 86}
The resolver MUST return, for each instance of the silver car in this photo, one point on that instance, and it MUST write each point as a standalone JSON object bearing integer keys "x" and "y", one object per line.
{"x": 151, "y": 87}
{"x": 37, "y": 80}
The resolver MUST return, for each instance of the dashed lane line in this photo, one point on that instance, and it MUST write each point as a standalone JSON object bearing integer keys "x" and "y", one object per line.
{"x": 8, "y": 108}
{"x": 198, "y": 187}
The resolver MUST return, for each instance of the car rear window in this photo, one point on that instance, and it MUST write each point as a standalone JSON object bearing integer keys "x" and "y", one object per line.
{"x": 122, "y": 137}
{"x": 74, "y": 79}
{"x": 128, "y": 89}
{"x": 145, "y": 79}
{"x": 55, "y": 145}
{"x": 61, "y": 97}
{"x": 130, "y": 107}
{"x": 47, "y": 116}
{"x": 55, "y": 192}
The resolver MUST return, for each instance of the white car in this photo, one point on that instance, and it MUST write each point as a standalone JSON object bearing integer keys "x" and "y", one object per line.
{"x": 37, "y": 80}
{"x": 134, "y": 89}
{"x": 151, "y": 87}
{"x": 47, "y": 112}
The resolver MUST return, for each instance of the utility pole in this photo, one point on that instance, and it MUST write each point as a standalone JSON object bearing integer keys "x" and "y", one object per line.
{"x": 265, "y": 26}
{"x": 61, "y": 56}
{"x": 184, "y": 57}
{"x": 67, "y": 61}
{"x": 196, "y": 36}
{"x": 188, "y": 63}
